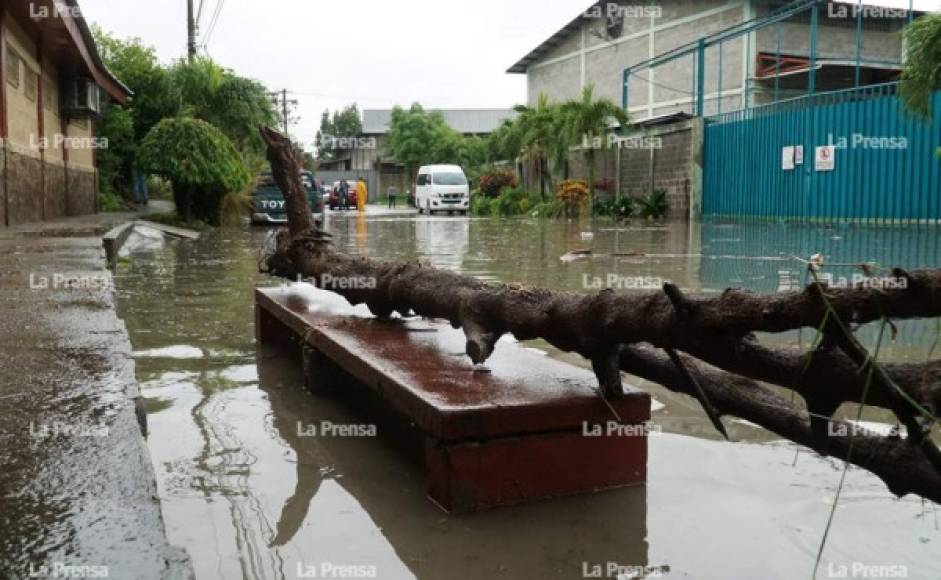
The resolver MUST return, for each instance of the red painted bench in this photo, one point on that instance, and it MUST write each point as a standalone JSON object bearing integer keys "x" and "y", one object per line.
{"x": 525, "y": 430}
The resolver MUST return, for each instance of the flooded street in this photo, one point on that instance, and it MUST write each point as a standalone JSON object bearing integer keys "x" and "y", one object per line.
{"x": 249, "y": 497}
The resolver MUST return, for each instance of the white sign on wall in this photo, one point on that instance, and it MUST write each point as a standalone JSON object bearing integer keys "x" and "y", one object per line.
{"x": 798, "y": 155}
{"x": 787, "y": 158}
{"x": 825, "y": 158}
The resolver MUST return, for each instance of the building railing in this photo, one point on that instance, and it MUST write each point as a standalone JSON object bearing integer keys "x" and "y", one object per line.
{"x": 853, "y": 94}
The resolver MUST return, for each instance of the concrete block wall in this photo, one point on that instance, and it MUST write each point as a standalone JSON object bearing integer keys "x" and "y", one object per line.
{"x": 586, "y": 57}
{"x": 42, "y": 177}
{"x": 675, "y": 166}
{"x": 836, "y": 36}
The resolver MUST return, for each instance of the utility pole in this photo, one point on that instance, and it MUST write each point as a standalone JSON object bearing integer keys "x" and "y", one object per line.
{"x": 190, "y": 31}
{"x": 285, "y": 103}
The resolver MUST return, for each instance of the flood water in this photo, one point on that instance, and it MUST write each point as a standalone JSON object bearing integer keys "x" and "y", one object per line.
{"x": 249, "y": 498}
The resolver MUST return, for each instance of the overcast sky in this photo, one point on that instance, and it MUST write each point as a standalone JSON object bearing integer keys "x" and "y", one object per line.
{"x": 377, "y": 53}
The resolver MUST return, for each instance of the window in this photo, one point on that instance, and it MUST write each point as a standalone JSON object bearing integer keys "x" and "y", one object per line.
{"x": 30, "y": 80}
{"x": 423, "y": 179}
{"x": 13, "y": 67}
{"x": 450, "y": 179}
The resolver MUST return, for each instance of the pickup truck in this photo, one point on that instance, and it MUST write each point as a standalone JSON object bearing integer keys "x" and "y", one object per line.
{"x": 268, "y": 206}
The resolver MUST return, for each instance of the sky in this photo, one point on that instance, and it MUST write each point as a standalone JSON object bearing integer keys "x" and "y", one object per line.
{"x": 376, "y": 53}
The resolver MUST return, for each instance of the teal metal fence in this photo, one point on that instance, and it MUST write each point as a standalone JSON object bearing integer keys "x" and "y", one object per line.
{"x": 879, "y": 163}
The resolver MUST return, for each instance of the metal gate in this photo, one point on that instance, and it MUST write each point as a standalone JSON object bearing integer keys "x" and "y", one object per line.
{"x": 772, "y": 162}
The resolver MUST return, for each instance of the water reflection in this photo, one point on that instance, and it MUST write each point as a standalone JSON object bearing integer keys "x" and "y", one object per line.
{"x": 532, "y": 541}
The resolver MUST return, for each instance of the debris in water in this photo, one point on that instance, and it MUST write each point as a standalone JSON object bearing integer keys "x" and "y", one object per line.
{"x": 575, "y": 255}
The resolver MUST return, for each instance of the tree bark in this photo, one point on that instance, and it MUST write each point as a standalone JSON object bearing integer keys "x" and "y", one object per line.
{"x": 719, "y": 361}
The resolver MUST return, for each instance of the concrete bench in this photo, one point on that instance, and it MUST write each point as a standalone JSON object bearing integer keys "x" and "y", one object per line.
{"x": 533, "y": 427}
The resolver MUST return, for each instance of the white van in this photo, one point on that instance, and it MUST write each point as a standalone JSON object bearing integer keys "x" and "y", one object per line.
{"x": 442, "y": 188}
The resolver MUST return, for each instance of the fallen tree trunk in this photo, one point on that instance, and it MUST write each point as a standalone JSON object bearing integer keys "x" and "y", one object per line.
{"x": 719, "y": 359}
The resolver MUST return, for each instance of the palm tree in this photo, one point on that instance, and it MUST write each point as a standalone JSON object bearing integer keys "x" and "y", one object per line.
{"x": 921, "y": 75}
{"x": 587, "y": 122}
{"x": 536, "y": 131}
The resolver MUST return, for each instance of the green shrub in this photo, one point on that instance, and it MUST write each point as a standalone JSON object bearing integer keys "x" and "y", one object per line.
{"x": 110, "y": 201}
{"x": 481, "y": 205}
{"x": 654, "y": 205}
{"x": 200, "y": 162}
{"x": 548, "y": 209}
{"x": 621, "y": 208}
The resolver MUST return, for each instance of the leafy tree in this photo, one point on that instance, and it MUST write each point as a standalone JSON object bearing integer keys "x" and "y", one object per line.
{"x": 137, "y": 66}
{"x": 115, "y": 162}
{"x": 539, "y": 134}
{"x": 233, "y": 104}
{"x": 125, "y": 126}
{"x": 343, "y": 123}
{"x": 587, "y": 122}
{"x": 417, "y": 137}
{"x": 200, "y": 162}
{"x": 921, "y": 75}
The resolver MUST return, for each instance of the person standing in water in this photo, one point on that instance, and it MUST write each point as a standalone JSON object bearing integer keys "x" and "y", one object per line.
{"x": 361, "y": 194}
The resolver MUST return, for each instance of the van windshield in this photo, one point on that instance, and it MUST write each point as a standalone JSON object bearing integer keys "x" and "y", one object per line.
{"x": 449, "y": 179}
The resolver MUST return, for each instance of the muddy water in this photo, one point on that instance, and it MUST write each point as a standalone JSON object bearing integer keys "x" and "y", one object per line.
{"x": 250, "y": 498}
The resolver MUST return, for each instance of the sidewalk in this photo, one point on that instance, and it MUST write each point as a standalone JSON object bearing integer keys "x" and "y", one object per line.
{"x": 77, "y": 489}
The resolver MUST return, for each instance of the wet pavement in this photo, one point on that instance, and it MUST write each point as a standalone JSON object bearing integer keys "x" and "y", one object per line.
{"x": 77, "y": 488}
{"x": 251, "y": 494}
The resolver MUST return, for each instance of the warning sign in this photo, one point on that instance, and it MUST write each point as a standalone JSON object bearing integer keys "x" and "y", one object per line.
{"x": 825, "y": 158}
{"x": 787, "y": 158}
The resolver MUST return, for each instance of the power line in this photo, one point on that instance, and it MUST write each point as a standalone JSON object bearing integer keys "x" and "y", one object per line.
{"x": 282, "y": 97}
{"x": 199, "y": 12}
{"x": 213, "y": 21}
